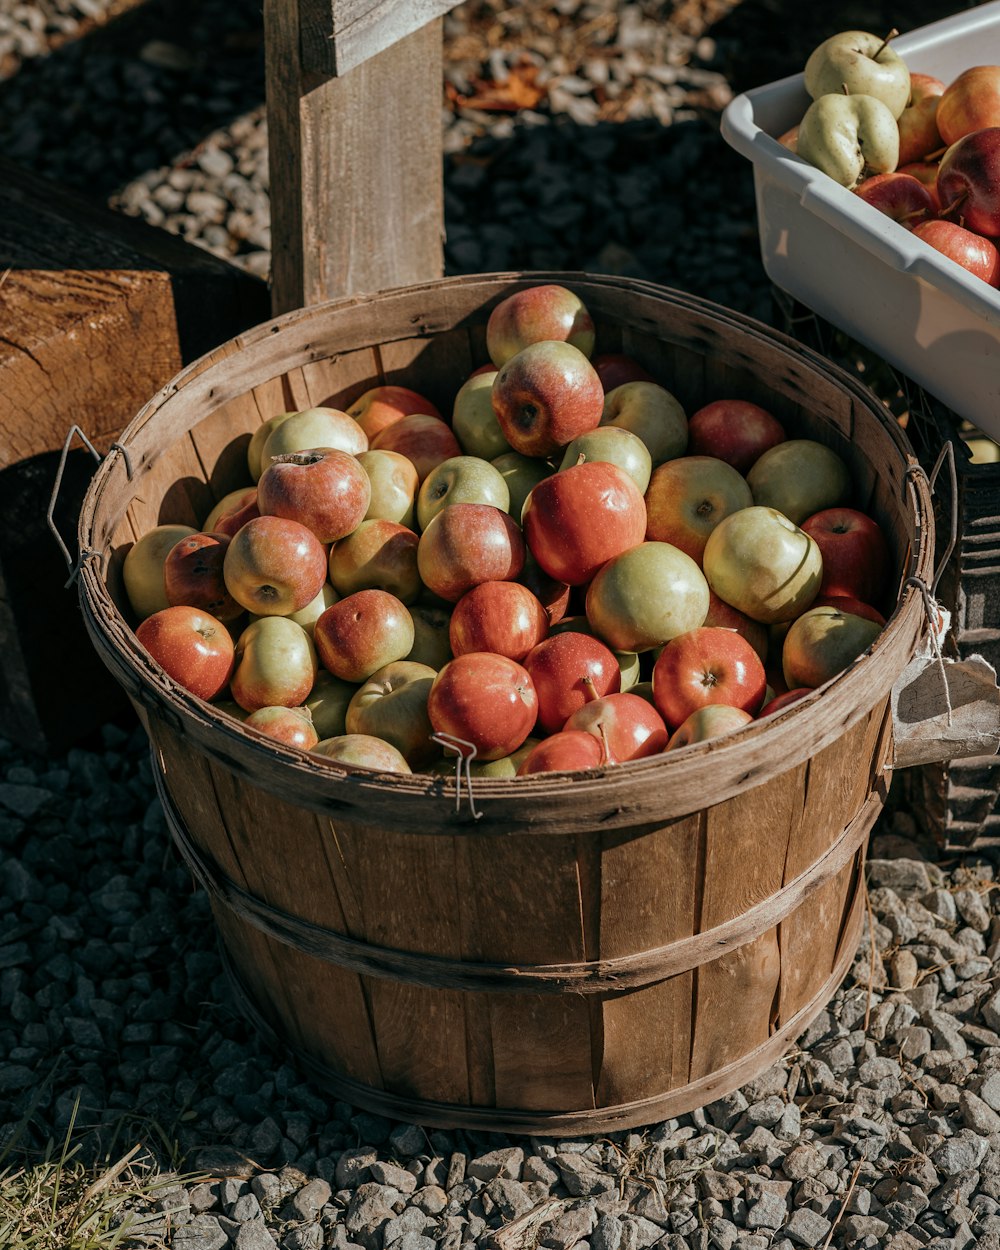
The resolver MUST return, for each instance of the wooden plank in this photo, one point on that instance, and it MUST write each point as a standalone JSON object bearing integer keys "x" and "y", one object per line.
{"x": 340, "y": 380}
{"x": 338, "y": 35}
{"x": 358, "y": 205}
{"x": 433, "y": 367}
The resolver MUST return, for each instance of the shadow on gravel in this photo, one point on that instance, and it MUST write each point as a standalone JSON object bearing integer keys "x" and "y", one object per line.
{"x": 127, "y": 97}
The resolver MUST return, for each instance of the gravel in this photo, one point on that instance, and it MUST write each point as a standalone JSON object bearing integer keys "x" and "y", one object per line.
{"x": 880, "y": 1128}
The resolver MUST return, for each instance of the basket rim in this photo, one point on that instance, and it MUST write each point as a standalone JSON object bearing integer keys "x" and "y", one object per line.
{"x": 428, "y": 803}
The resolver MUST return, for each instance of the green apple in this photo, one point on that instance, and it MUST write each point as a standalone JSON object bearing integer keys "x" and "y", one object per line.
{"x": 522, "y": 474}
{"x": 614, "y": 445}
{"x": 395, "y": 483}
{"x": 848, "y": 136}
{"x": 473, "y": 419}
{"x": 859, "y": 64}
{"x": 142, "y": 570}
{"x": 363, "y": 751}
{"x": 506, "y": 766}
{"x": 761, "y": 563}
{"x": 256, "y": 446}
{"x": 646, "y": 596}
{"x": 823, "y": 642}
{"x": 651, "y": 413}
{"x": 392, "y": 705}
{"x": 328, "y": 702}
{"x": 800, "y": 477}
{"x": 314, "y": 427}
{"x": 461, "y": 479}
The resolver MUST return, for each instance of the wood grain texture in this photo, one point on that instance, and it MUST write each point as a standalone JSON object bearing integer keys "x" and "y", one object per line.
{"x": 356, "y": 163}
{"x": 338, "y": 35}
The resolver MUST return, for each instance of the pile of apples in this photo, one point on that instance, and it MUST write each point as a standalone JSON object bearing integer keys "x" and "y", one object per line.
{"x": 567, "y": 575}
{"x": 925, "y": 153}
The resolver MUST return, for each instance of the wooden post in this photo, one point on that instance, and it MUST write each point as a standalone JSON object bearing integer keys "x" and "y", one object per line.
{"x": 354, "y": 124}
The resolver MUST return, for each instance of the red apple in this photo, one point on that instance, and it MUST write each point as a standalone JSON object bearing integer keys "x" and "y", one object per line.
{"x": 324, "y": 489}
{"x": 615, "y": 369}
{"x": 970, "y": 102}
{"x": 541, "y": 313}
{"x": 688, "y": 497}
{"x": 569, "y": 670}
{"x": 274, "y": 566}
{"x": 925, "y": 172}
{"x": 843, "y": 603}
{"x": 466, "y": 544}
{"x": 275, "y": 664}
{"x": 918, "y": 129}
{"x": 627, "y": 726}
{"x": 545, "y": 396}
{"x": 362, "y": 633}
{"x": 485, "y": 700}
{"x": 292, "y": 726}
{"x": 734, "y": 430}
{"x": 708, "y": 722}
{"x": 572, "y": 751}
{"x": 855, "y": 553}
{"x": 502, "y": 617}
{"x": 232, "y": 512}
{"x": 968, "y": 182}
{"x": 722, "y": 615}
{"x": 790, "y": 139}
{"x": 705, "y": 666}
{"x": 384, "y": 405}
{"x": 974, "y": 253}
{"x": 191, "y": 646}
{"x": 578, "y": 519}
{"x": 426, "y": 441}
{"x": 192, "y": 575}
{"x": 903, "y": 198}
{"x": 784, "y": 700}
{"x": 379, "y": 555}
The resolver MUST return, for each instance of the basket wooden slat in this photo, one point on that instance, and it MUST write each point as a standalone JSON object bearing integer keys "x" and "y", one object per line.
{"x": 575, "y": 959}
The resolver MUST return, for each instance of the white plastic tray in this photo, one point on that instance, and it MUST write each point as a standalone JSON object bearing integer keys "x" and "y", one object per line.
{"x": 856, "y": 267}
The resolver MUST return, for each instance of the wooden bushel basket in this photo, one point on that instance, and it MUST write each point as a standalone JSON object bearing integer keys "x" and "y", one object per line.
{"x": 597, "y": 950}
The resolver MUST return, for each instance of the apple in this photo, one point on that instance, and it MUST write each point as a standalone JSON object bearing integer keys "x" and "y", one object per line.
{"x": 847, "y": 136}
{"x": 705, "y": 666}
{"x": 384, "y": 405}
{"x": 258, "y": 439}
{"x": 142, "y": 569}
{"x": 734, "y": 430}
{"x": 568, "y": 670}
{"x": 970, "y": 102}
{"x": 790, "y": 139}
{"x": 968, "y": 181}
{"x": 233, "y": 510}
{"x": 966, "y": 248}
{"x": 545, "y": 396}
{"x": 275, "y": 664}
{"x": 722, "y": 615}
{"x": 423, "y": 439}
{"x": 646, "y": 596}
{"x": 363, "y": 633}
{"x": 626, "y": 725}
{"x": 310, "y": 614}
{"x": 431, "y": 644}
{"x": 629, "y": 662}
{"x": 571, "y": 751}
{"x": 616, "y": 368}
{"x": 535, "y": 314}
{"x": 578, "y": 519}
{"x": 483, "y": 700}
{"x": 900, "y": 196}
{"x": 314, "y": 427}
{"x": 328, "y": 702}
{"x": 462, "y": 479}
{"x": 925, "y": 172}
{"x": 274, "y": 566}
{"x": 394, "y": 484}
{"x": 762, "y": 564}
{"x": 392, "y": 705}
{"x": 469, "y": 543}
{"x": 845, "y": 603}
{"x": 780, "y": 701}
{"x": 708, "y": 722}
{"x": 322, "y": 488}
{"x": 800, "y": 477}
{"x": 552, "y": 595}
{"x": 522, "y": 474}
{"x": 362, "y": 751}
{"x": 688, "y": 497}
{"x": 612, "y": 444}
{"x": 379, "y": 555}
{"x": 191, "y": 646}
{"x": 855, "y": 553}
{"x": 473, "y": 419}
{"x": 292, "y": 726}
{"x": 821, "y": 643}
{"x": 651, "y": 413}
{"x": 192, "y": 575}
{"x": 860, "y": 64}
{"x": 919, "y": 136}
{"x": 502, "y": 617}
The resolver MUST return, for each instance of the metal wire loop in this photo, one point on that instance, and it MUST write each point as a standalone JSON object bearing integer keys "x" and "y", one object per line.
{"x": 465, "y": 753}
{"x": 75, "y": 431}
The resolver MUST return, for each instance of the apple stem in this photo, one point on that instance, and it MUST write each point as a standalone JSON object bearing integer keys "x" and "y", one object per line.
{"x": 885, "y": 43}
{"x": 589, "y": 689}
{"x": 954, "y": 205}
{"x": 581, "y": 458}
{"x": 936, "y": 154}
{"x": 845, "y": 88}
{"x": 606, "y": 757}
